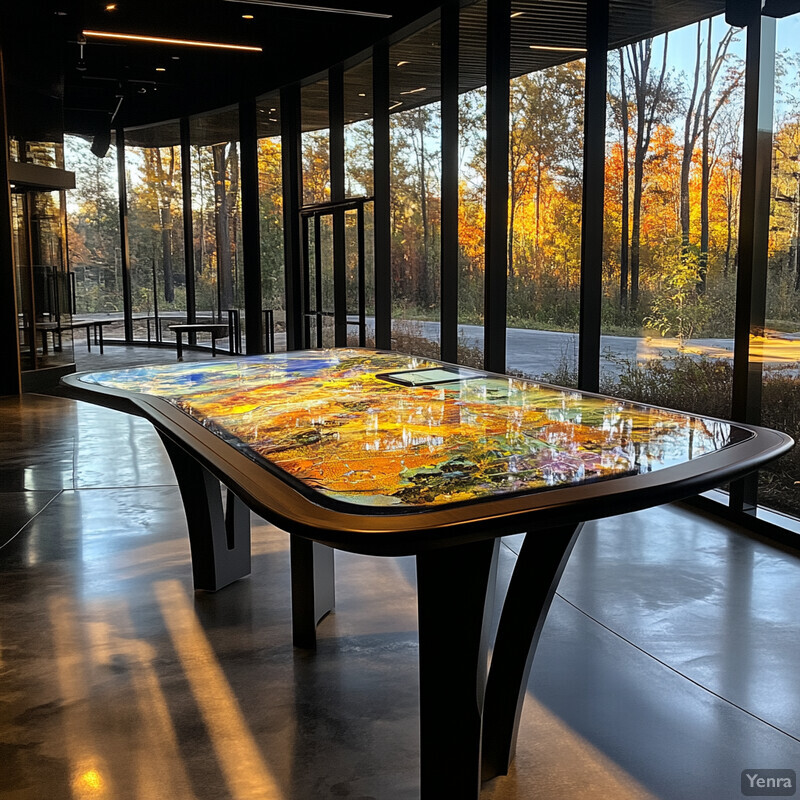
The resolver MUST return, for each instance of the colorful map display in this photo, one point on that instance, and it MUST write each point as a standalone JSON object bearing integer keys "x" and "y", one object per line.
{"x": 328, "y": 419}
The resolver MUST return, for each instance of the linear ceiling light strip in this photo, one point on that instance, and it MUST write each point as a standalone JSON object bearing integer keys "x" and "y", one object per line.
{"x": 304, "y": 7}
{"x": 131, "y": 37}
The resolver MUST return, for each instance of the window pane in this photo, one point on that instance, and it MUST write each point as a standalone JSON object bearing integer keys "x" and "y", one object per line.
{"x": 672, "y": 196}
{"x": 93, "y": 231}
{"x": 780, "y": 348}
{"x": 358, "y": 181}
{"x": 155, "y": 230}
{"x": 545, "y": 187}
{"x": 216, "y": 208}
{"x": 415, "y": 191}
{"x": 471, "y": 182}
{"x": 270, "y": 198}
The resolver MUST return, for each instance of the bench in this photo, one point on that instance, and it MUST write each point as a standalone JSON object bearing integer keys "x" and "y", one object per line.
{"x": 56, "y": 329}
{"x": 89, "y": 324}
{"x": 216, "y": 329}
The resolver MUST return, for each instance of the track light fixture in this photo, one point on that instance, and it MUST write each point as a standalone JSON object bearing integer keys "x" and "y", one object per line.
{"x": 81, "y": 65}
{"x": 306, "y": 7}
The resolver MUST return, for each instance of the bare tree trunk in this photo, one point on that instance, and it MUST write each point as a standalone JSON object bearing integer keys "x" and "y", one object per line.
{"x": 222, "y": 229}
{"x": 423, "y": 291}
{"x": 639, "y": 56}
{"x": 625, "y": 226}
{"x": 795, "y": 263}
{"x": 165, "y": 223}
{"x": 689, "y": 139}
{"x": 706, "y": 173}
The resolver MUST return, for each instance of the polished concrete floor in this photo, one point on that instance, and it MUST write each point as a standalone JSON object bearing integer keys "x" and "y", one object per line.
{"x": 668, "y": 663}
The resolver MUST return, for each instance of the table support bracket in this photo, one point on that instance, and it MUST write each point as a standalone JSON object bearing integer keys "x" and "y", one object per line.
{"x": 455, "y": 595}
{"x": 219, "y": 539}
{"x": 538, "y": 570}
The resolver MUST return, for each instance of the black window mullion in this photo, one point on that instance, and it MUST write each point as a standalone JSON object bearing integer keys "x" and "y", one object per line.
{"x": 251, "y": 228}
{"x": 594, "y": 133}
{"x": 498, "y": 69}
{"x": 449, "y": 208}
{"x": 751, "y": 279}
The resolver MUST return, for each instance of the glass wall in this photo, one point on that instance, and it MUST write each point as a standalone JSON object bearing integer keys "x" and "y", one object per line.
{"x": 779, "y": 350}
{"x": 416, "y": 172}
{"x": 359, "y": 182}
{"x": 545, "y": 194}
{"x": 672, "y": 194}
{"x": 316, "y": 143}
{"x": 155, "y": 230}
{"x": 270, "y": 199}
{"x": 471, "y": 182}
{"x": 93, "y": 231}
{"x": 318, "y": 232}
{"x": 44, "y": 302}
{"x": 216, "y": 213}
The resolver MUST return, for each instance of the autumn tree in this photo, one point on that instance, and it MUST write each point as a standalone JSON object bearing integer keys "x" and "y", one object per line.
{"x": 650, "y": 93}
{"x": 545, "y": 125}
{"x": 700, "y": 115}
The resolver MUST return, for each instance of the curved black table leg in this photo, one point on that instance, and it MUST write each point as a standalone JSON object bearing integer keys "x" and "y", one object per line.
{"x": 219, "y": 540}
{"x": 455, "y": 593}
{"x": 220, "y": 545}
{"x": 533, "y": 584}
{"x": 313, "y": 591}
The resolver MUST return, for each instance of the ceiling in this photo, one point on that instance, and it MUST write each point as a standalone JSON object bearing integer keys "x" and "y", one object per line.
{"x": 158, "y": 82}
{"x": 152, "y": 83}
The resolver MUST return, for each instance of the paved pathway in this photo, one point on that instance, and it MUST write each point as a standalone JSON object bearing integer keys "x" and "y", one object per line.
{"x": 536, "y": 352}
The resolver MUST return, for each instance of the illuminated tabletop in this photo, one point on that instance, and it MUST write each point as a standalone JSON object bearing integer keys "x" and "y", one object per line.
{"x": 385, "y": 454}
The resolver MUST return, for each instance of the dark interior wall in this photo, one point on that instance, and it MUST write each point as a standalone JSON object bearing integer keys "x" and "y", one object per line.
{"x": 34, "y": 87}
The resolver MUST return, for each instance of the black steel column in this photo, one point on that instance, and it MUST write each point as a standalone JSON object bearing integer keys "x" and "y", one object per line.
{"x": 10, "y": 376}
{"x": 449, "y": 211}
{"x": 124, "y": 244}
{"x": 751, "y": 280}
{"x": 251, "y": 228}
{"x": 498, "y": 70}
{"x": 383, "y": 233}
{"x": 292, "y": 200}
{"x": 188, "y": 222}
{"x": 594, "y": 141}
{"x": 336, "y": 122}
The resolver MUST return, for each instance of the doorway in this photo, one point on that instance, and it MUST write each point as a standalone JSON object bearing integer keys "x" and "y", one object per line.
{"x": 337, "y": 272}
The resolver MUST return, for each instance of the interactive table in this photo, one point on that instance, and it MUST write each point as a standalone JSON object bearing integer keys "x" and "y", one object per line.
{"x": 388, "y": 454}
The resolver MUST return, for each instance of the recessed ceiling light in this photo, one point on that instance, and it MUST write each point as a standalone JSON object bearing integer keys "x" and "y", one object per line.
{"x": 247, "y": 16}
{"x": 362, "y": 94}
{"x": 414, "y": 91}
{"x": 272, "y": 119}
{"x": 163, "y": 40}
{"x": 111, "y": 7}
{"x": 304, "y": 7}
{"x": 161, "y": 69}
{"x": 555, "y": 49}
{"x": 402, "y": 63}
{"x": 176, "y": 58}
{"x": 273, "y": 109}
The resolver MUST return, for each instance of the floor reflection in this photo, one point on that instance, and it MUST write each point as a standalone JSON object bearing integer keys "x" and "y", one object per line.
{"x": 667, "y": 665}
